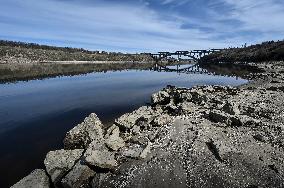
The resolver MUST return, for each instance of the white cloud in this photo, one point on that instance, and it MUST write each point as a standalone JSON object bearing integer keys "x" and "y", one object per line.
{"x": 127, "y": 27}
{"x": 261, "y": 15}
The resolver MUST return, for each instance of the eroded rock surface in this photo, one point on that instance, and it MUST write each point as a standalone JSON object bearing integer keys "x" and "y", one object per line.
{"x": 37, "y": 179}
{"x": 113, "y": 140}
{"x": 59, "y": 162}
{"x": 83, "y": 134}
{"x": 143, "y": 114}
{"x": 100, "y": 158}
{"x": 79, "y": 177}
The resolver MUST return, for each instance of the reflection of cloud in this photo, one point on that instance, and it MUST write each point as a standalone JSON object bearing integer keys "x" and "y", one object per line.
{"x": 141, "y": 25}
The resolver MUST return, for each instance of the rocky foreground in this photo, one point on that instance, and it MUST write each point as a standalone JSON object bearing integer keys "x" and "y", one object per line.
{"x": 206, "y": 136}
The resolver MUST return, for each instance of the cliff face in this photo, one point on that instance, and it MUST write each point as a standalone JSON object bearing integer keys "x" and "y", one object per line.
{"x": 267, "y": 51}
{"x": 18, "y": 52}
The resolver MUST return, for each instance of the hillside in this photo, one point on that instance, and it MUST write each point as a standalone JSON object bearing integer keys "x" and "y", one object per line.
{"x": 19, "y": 52}
{"x": 266, "y": 51}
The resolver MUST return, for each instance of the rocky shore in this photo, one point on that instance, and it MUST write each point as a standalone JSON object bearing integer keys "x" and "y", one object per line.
{"x": 205, "y": 136}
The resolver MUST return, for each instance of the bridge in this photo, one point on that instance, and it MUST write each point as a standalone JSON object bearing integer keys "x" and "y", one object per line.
{"x": 194, "y": 55}
{"x": 193, "y": 69}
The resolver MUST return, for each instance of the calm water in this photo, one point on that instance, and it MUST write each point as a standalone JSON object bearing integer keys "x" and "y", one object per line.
{"x": 35, "y": 115}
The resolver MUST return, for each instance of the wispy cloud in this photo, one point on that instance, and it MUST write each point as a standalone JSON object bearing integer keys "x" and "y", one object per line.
{"x": 135, "y": 26}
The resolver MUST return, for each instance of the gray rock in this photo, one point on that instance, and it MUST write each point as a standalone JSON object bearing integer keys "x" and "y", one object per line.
{"x": 132, "y": 151}
{"x": 186, "y": 107}
{"x": 84, "y": 133}
{"x": 231, "y": 108}
{"x": 260, "y": 138}
{"x": 217, "y": 116}
{"x": 139, "y": 139}
{"x": 208, "y": 89}
{"x": 37, "y": 179}
{"x": 99, "y": 156}
{"x": 127, "y": 121}
{"x": 79, "y": 177}
{"x": 59, "y": 162}
{"x": 162, "y": 120}
{"x": 136, "y": 130}
{"x": 110, "y": 130}
{"x": 249, "y": 121}
{"x": 98, "y": 180}
{"x": 198, "y": 96}
{"x": 220, "y": 88}
{"x": 161, "y": 97}
{"x": 113, "y": 141}
{"x": 172, "y": 109}
{"x": 126, "y": 136}
{"x": 235, "y": 121}
{"x": 146, "y": 151}
{"x": 185, "y": 96}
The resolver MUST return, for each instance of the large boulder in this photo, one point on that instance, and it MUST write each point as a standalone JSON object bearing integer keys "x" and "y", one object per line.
{"x": 113, "y": 140}
{"x": 84, "y": 133}
{"x": 37, "y": 179}
{"x": 59, "y": 162}
{"x": 98, "y": 155}
{"x": 79, "y": 177}
{"x": 128, "y": 120}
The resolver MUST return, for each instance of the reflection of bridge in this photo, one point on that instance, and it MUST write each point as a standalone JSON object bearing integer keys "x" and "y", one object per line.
{"x": 193, "y": 69}
{"x": 193, "y": 54}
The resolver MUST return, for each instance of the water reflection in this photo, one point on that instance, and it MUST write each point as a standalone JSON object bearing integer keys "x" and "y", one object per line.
{"x": 24, "y": 72}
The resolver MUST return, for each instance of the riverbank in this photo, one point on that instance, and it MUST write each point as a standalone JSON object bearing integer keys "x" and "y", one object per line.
{"x": 206, "y": 136}
{"x": 20, "y": 52}
{"x": 266, "y": 51}
{"x": 11, "y": 72}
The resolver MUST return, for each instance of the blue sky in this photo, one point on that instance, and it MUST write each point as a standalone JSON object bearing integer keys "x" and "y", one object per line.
{"x": 142, "y": 25}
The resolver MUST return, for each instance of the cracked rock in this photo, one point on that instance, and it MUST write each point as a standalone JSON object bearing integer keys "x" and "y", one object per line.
{"x": 98, "y": 155}
{"x": 59, "y": 162}
{"x": 128, "y": 120}
{"x": 79, "y": 177}
{"x": 84, "y": 133}
{"x": 37, "y": 179}
{"x": 113, "y": 141}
